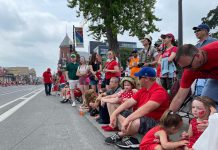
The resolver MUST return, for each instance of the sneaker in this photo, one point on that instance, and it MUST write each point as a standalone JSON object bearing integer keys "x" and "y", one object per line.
{"x": 64, "y": 101}
{"x": 113, "y": 139}
{"x": 128, "y": 142}
{"x": 73, "y": 104}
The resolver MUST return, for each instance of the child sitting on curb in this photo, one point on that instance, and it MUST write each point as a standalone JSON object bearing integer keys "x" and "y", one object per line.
{"x": 128, "y": 86}
{"x": 158, "y": 137}
{"x": 66, "y": 93}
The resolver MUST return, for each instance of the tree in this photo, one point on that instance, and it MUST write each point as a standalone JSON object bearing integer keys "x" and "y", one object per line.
{"x": 108, "y": 18}
{"x": 211, "y": 20}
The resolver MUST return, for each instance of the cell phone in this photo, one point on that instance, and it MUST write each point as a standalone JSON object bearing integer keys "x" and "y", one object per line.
{"x": 140, "y": 65}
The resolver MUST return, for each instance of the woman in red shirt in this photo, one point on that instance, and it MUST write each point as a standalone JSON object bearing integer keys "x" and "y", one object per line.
{"x": 168, "y": 67}
{"x": 111, "y": 68}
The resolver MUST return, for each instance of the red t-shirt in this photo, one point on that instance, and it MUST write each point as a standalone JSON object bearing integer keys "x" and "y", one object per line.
{"x": 208, "y": 70}
{"x": 148, "y": 141}
{"x": 156, "y": 93}
{"x": 62, "y": 79}
{"x": 110, "y": 66}
{"x": 47, "y": 77}
{"x": 168, "y": 52}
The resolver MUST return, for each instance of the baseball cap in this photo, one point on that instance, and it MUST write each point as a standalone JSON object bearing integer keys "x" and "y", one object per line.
{"x": 146, "y": 72}
{"x": 134, "y": 51}
{"x": 73, "y": 56}
{"x": 168, "y": 35}
{"x": 202, "y": 26}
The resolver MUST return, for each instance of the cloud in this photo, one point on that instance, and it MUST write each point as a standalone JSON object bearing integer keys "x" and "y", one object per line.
{"x": 32, "y": 30}
{"x": 29, "y": 37}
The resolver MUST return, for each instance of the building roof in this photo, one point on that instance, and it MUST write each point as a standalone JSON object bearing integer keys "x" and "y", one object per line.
{"x": 66, "y": 42}
{"x": 18, "y": 70}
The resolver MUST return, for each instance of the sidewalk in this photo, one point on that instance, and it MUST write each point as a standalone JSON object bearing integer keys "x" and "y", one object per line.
{"x": 138, "y": 136}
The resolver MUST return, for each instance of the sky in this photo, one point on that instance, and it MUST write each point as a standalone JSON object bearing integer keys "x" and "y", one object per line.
{"x": 31, "y": 31}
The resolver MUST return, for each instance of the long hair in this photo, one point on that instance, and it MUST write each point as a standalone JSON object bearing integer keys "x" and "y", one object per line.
{"x": 170, "y": 119}
{"x": 112, "y": 53}
{"x": 93, "y": 58}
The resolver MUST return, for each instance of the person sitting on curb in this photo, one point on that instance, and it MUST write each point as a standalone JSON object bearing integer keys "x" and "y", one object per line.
{"x": 103, "y": 111}
{"x": 128, "y": 85}
{"x": 150, "y": 102}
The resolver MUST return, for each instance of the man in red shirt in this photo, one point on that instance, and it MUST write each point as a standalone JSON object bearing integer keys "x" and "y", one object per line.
{"x": 197, "y": 63}
{"x": 149, "y": 104}
{"x": 47, "y": 78}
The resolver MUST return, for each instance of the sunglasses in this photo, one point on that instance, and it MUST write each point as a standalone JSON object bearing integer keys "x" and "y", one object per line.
{"x": 164, "y": 37}
{"x": 198, "y": 30}
{"x": 190, "y": 65}
{"x": 140, "y": 77}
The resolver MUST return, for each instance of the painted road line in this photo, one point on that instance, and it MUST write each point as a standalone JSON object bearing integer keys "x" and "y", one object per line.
{"x": 14, "y": 92}
{"x": 15, "y": 108}
{"x": 22, "y": 97}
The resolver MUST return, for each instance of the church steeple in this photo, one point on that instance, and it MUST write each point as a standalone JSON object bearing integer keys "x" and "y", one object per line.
{"x": 66, "y": 42}
{"x": 65, "y": 51}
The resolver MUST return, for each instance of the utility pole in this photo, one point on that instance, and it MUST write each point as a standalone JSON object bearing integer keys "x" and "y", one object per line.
{"x": 180, "y": 33}
{"x": 180, "y": 23}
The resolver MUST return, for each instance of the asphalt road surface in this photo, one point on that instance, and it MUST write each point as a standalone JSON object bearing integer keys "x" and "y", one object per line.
{"x": 29, "y": 120}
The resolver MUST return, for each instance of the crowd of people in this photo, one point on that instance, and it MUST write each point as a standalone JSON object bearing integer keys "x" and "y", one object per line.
{"x": 139, "y": 102}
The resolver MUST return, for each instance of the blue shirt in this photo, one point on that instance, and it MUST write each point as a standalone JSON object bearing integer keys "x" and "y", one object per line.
{"x": 205, "y": 42}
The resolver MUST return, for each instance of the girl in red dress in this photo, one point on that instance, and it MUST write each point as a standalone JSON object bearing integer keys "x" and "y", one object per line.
{"x": 202, "y": 107}
{"x": 128, "y": 85}
{"x": 158, "y": 137}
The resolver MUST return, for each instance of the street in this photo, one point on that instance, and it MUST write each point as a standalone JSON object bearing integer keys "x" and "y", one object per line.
{"x": 29, "y": 120}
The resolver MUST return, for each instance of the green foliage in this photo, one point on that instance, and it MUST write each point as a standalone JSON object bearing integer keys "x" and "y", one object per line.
{"x": 211, "y": 20}
{"x": 108, "y": 18}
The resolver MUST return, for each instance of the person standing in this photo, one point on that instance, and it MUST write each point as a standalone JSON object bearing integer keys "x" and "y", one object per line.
{"x": 111, "y": 68}
{"x": 47, "y": 78}
{"x": 202, "y": 33}
{"x": 95, "y": 69}
{"x": 148, "y": 55}
{"x": 133, "y": 63}
{"x": 71, "y": 77}
{"x": 168, "y": 67}
{"x": 83, "y": 73}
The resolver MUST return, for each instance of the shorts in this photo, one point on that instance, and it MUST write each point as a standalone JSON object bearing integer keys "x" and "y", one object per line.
{"x": 84, "y": 81}
{"x": 93, "y": 82}
{"x": 62, "y": 85}
{"x": 73, "y": 83}
{"x": 146, "y": 123}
